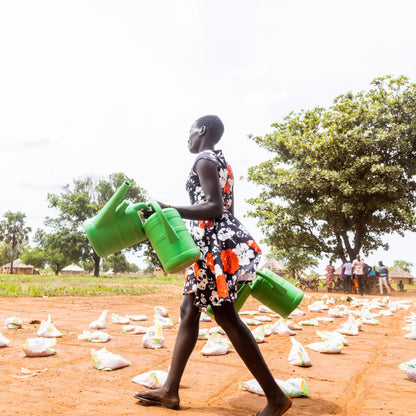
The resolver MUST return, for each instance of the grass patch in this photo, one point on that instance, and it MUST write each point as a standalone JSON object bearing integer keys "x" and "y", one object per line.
{"x": 49, "y": 285}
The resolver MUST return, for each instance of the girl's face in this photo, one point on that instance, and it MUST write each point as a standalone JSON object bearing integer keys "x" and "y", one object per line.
{"x": 194, "y": 138}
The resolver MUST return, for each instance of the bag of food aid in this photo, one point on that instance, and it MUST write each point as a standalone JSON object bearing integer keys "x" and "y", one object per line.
{"x": 203, "y": 334}
{"x": 48, "y": 330}
{"x": 332, "y": 336}
{"x": 264, "y": 309}
{"x": 327, "y": 347}
{"x": 4, "y": 342}
{"x": 268, "y": 329}
{"x": 204, "y": 317}
{"x": 151, "y": 379}
{"x": 409, "y": 368}
{"x": 298, "y": 355}
{"x": 412, "y": 334}
{"x": 137, "y": 317}
{"x": 153, "y": 338}
{"x": 349, "y": 328}
{"x": 96, "y": 336}
{"x": 13, "y": 323}
{"x": 216, "y": 345}
{"x": 162, "y": 311}
{"x": 280, "y": 328}
{"x": 164, "y": 322}
{"x": 217, "y": 330}
{"x": 100, "y": 322}
{"x": 134, "y": 329}
{"x": 39, "y": 347}
{"x": 258, "y": 334}
{"x": 107, "y": 361}
{"x": 293, "y": 387}
{"x": 117, "y": 319}
{"x": 262, "y": 318}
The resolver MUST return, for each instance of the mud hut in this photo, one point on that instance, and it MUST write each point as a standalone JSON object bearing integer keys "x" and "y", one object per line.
{"x": 397, "y": 273}
{"x": 72, "y": 269}
{"x": 276, "y": 267}
{"x": 18, "y": 268}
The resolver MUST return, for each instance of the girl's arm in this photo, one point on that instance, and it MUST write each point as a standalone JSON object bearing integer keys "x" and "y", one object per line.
{"x": 212, "y": 208}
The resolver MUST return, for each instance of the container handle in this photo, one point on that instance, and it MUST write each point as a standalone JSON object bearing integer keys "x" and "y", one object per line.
{"x": 140, "y": 206}
{"x": 169, "y": 230}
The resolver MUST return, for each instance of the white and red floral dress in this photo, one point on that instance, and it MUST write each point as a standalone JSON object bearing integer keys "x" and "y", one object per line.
{"x": 229, "y": 254}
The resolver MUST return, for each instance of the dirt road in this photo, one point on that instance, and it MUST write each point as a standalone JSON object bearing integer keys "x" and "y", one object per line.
{"x": 362, "y": 380}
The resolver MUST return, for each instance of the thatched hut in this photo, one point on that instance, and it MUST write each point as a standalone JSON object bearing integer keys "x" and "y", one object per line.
{"x": 18, "y": 268}
{"x": 72, "y": 269}
{"x": 276, "y": 267}
{"x": 397, "y": 273}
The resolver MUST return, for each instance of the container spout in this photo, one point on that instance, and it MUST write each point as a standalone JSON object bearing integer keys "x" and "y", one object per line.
{"x": 108, "y": 211}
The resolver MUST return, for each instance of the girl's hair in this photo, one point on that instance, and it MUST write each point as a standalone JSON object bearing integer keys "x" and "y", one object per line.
{"x": 214, "y": 126}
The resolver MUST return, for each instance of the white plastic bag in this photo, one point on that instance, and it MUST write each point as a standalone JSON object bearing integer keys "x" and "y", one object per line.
{"x": 164, "y": 322}
{"x": 258, "y": 334}
{"x": 137, "y": 317}
{"x": 117, "y": 319}
{"x": 134, "y": 329}
{"x": 204, "y": 317}
{"x": 96, "y": 336}
{"x": 48, "y": 330}
{"x": 162, "y": 311}
{"x": 412, "y": 334}
{"x": 293, "y": 387}
{"x": 216, "y": 345}
{"x": 327, "y": 347}
{"x": 39, "y": 347}
{"x": 262, "y": 318}
{"x": 13, "y": 323}
{"x": 332, "y": 336}
{"x": 309, "y": 322}
{"x": 100, "y": 322}
{"x": 409, "y": 368}
{"x": 4, "y": 342}
{"x": 280, "y": 328}
{"x": 298, "y": 355}
{"x": 264, "y": 309}
{"x": 350, "y": 327}
{"x": 153, "y": 338}
{"x": 107, "y": 361}
{"x": 151, "y": 379}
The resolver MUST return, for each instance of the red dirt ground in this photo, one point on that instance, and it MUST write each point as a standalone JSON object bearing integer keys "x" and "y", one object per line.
{"x": 362, "y": 380}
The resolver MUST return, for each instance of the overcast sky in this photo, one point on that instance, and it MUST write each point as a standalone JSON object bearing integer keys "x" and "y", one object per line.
{"x": 96, "y": 87}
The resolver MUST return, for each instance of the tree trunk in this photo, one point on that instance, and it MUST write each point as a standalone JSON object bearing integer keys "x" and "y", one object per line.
{"x": 97, "y": 260}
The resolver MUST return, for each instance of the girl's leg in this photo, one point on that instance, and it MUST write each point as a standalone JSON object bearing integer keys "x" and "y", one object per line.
{"x": 184, "y": 345}
{"x": 246, "y": 346}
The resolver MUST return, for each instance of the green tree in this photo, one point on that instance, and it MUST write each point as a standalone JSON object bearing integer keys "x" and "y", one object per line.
{"x": 34, "y": 256}
{"x": 341, "y": 177}
{"x": 14, "y": 233}
{"x": 296, "y": 261}
{"x": 403, "y": 264}
{"x": 61, "y": 247}
{"x": 83, "y": 200}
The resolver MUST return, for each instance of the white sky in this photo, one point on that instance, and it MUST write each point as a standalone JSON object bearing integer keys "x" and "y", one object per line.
{"x": 96, "y": 87}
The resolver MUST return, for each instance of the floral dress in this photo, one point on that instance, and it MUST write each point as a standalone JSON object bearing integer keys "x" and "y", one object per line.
{"x": 229, "y": 254}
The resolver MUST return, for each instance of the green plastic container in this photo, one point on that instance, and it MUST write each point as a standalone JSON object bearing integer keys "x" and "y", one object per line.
{"x": 276, "y": 293}
{"x": 117, "y": 226}
{"x": 170, "y": 239}
{"x": 243, "y": 292}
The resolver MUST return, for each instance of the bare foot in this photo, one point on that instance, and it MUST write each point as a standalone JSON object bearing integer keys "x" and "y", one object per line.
{"x": 276, "y": 409}
{"x": 157, "y": 397}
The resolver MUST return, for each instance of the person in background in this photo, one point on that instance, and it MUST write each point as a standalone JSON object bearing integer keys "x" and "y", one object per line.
{"x": 229, "y": 256}
{"x": 383, "y": 278}
{"x": 371, "y": 280}
{"x": 347, "y": 271}
{"x": 358, "y": 270}
{"x": 330, "y": 269}
{"x": 400, "y": 286}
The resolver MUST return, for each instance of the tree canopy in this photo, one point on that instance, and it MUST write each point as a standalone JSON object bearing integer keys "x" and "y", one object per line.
{"x": 340, "y": 177}
{"x": 78, "y": 202}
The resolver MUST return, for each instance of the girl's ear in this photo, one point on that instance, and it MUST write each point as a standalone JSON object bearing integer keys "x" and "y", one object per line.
{"x": 202, "y": 130}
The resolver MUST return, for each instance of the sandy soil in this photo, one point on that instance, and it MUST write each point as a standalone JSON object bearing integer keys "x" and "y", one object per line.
{"x": 362, "y": 380}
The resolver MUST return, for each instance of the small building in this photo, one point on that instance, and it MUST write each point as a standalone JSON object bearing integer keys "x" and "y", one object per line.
{"x": 397, "y": 273}
{"x": 276, "y": 267}
{"x": 72, "y": 269}
{"x": 18, "y": 268}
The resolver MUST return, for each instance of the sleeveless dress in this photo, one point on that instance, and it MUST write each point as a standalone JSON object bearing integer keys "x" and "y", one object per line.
{"x": 229, "y": 254}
